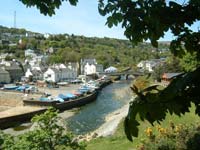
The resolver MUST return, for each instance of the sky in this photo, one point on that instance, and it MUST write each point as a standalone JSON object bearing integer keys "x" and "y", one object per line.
{"x": 82, "y": 19}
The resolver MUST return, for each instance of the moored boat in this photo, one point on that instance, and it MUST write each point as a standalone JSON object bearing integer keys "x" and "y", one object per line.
{"x": 63, "y": 105}
{"x": 10, "y": 87}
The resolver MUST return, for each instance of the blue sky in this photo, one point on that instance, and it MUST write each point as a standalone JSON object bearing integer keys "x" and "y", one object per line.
{"x": 83, "y": 19}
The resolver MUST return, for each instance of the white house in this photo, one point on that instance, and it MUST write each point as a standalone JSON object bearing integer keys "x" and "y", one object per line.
{"x": 68, "y": 71}
{"x": 52, "y": 75}
{"x": 141, "y": 64}
{"x": 59, "y": 66}
{"x": 90, "y": 66}
{"x": 34, "y": 74}
{"x": 149, "y": 65}
{"x": 73, "y": 69}
{"x": 46, "y": 35}
{"x": 60, "y": 72}
{"x": 89, "y": 69}
{"x": 28, "y": 73}
{"x": 88, "y": 62}
{"x": 37, "y": 60}
{"x": 29, "y": 53}
{"x": 110, "y": 69}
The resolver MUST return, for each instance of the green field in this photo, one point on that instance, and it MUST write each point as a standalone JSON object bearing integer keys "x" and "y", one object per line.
{"x": 119, "y": 142}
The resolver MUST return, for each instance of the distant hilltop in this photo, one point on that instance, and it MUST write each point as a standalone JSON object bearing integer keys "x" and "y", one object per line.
{"x": 6, "y": 32}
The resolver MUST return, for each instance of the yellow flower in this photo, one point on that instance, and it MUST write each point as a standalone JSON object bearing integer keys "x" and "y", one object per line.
{"x": 162, "y": 131}
{"x": 149, "y": 131}
{"x": 158, "y": 127}
{"x": 177, "y": 128}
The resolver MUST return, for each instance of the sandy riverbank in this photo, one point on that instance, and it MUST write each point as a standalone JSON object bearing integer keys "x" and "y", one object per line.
{"x": 12, "y": 98}
{"x": 112, "y": 120}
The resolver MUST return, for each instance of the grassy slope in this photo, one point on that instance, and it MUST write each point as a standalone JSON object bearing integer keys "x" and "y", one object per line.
{"x": 119, "y": 142}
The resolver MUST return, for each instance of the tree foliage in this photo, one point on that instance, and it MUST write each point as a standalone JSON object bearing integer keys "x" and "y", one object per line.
{"x": 149, "y": 19}
{"x": 190, "y": 62}
{"x": 48, "y": 134}
{"x": 47, "y": 7}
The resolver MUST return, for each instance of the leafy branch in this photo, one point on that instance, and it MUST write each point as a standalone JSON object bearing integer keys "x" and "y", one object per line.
{"x": 153, "y": 106}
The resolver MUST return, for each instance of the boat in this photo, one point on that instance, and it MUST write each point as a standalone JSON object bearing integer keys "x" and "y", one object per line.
{"x": 77, "y": 102}
{"x": 64, "y": 97}
{"x": 10, "y": 87}
{"x": 71, "y": 96}
{"x": 22, "y": 88}
{"x": 64, "y": 105}
{"x": 78, "y": 93}
{"x": 63, "y": 83}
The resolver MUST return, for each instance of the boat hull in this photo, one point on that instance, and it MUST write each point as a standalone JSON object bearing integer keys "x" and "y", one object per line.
{"x": 66, "y": 104}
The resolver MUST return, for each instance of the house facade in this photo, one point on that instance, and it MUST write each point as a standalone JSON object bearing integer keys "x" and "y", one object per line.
{"x": 68, "y": 71}
{"x": 4, "y": 76}
{"x": 34, "y": 74}
{"x": 52, "y": 75}
{"x": 15, "y": 71}
{"x": 99, "y": 68}
{"x": 86, "y": 64}
{"x": 60, "y": 72}
{"x": 150, "y": 65}
{"x": 29, "y": 53}
{"x": 89, "y": 69}
{"x": 90, "y": 66}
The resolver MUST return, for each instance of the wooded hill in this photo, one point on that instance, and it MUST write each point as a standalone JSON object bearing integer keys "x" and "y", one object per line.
{"x": 107, "y": 51}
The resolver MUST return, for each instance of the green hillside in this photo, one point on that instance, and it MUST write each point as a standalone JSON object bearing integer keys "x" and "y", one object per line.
{"x": 107, "y": 51}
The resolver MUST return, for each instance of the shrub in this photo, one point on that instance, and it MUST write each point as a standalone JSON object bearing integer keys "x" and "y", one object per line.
{"x": 175, "y": 137}
{"x": 48, "y": 134}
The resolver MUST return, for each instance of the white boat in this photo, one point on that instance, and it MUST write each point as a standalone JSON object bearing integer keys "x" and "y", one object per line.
{"x": 63, "y": 83}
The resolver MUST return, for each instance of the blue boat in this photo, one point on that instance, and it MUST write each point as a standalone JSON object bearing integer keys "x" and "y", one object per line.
{"x": 23, "y": 87}
{"x": 44, "y": 99}
{"x": 69, "y": 95}
{"x": 58, "y": 99}
{"x": 10, "y": 87}
{"x": 84, "y": 89}
{"x": 64, "y": 97}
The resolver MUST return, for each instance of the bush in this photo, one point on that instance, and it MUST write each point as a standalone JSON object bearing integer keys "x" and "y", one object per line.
{"x": 179, "y": 137}
{"x": 48, "y": 134}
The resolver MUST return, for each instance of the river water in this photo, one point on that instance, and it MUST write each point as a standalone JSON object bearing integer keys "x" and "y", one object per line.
{"x": 91, "y": 116}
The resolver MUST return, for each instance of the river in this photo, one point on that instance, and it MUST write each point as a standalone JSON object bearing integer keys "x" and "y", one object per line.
{"x": 92, "y": 116}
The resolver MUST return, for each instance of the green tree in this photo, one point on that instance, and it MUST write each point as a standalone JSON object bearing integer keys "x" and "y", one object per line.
{"x": 49, "y": 134}
{"x": 190, "y": 62}
{"x": 150, "y": 19}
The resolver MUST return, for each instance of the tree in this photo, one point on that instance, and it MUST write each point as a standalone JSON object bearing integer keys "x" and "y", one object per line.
{"x": 48, "y": 134}
{"x": 150, "y": 19}
{"x": 190, "y": 62}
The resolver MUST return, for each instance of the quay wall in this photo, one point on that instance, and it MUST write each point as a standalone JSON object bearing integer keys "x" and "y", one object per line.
{"x": 14, "y": 120}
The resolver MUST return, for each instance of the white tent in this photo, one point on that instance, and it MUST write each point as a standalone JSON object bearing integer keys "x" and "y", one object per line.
{"x": 111, "y": 69}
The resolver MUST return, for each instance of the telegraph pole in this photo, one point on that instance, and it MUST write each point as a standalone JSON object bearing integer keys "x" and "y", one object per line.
{"x": 15, "y": 19}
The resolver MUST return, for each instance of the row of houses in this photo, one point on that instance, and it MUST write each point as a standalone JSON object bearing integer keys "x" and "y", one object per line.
{"x": 150, "y": 65}
{"x": 35, "y": 68}
{"x": 10, "y": 71}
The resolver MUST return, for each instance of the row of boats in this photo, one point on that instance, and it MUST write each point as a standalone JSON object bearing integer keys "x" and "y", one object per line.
{"x": 81, "y": 91}
{"x": 84, "y": 94}
{"x": 20, "y": 88}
